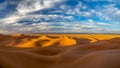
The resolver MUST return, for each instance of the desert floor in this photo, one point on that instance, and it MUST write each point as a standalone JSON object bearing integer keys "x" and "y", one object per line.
{"x": 60, "y": 51}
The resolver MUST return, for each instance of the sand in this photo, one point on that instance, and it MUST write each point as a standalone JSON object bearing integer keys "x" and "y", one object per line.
{"x": 59, "y": 51}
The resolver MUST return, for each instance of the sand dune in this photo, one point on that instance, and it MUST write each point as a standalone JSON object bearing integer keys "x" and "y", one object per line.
{"x": 28, "y": 51}
{"x": 40, "y": 41}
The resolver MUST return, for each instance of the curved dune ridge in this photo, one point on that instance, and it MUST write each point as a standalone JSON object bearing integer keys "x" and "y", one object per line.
{"x": 20, "y": 40}
{"x": 59, "y": 51}
{"x": 43, "y": 41}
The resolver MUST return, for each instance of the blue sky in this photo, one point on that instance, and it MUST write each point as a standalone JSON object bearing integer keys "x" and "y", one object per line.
{"x": 59, "y": 16}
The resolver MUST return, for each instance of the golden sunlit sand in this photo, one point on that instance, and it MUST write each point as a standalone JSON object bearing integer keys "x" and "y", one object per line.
{"x": 60, "y": 51}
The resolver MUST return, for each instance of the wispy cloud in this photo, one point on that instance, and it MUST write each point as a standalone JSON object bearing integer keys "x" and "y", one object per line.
{"x": 27, "y": 6}
{"x": 80, "y": 27}
{"x": 108, "y": 12}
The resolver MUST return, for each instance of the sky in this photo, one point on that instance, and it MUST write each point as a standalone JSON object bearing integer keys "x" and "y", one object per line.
{"x": 59, "y": 16}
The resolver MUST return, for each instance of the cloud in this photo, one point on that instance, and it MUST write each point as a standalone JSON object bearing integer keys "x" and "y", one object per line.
{"x": 79, "y": 12}
{"x": 27, "y": 6}
{"x": 37, "y": 16}
{"x": 12, "y": 22}
{"x": 25, "y": 9}
{"x": 104, "y": 24}
{"x": 112, "y": 1}
{"x": 76, "y": 10}
{"x": 108, "y": 12}
{"x": 88, "y": 26}
{"x": 117, "y": 12}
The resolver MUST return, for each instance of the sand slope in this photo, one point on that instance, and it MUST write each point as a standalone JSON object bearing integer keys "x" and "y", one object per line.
{"x": 84, "y": 53}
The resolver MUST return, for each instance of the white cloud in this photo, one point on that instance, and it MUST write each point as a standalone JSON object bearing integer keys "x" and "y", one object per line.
{"x": 10, "y": 24}
{"x": 11, "y": 19}
{"x": 108, "y": 12}
{"x": 85, "y": 14}
{"x": 117, "y": 12}
{"x": 112, "y": 1}
{"x": 27, "y": 6}
{"x": 100, "y": 14}
{"x": 89, "y": 26}
{"x": 104, "y": 24}
{"x": 77, "y": 10}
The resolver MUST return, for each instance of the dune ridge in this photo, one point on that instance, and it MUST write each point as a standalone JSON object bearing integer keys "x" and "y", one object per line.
{"x": 41, "y": 41}
{"x": 26, "y": 51}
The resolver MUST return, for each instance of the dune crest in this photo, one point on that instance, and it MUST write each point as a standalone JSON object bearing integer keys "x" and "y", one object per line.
{"x": 30, "y": 41}
{"x": 44, "y": 41}
{"x": 66, "y": 41}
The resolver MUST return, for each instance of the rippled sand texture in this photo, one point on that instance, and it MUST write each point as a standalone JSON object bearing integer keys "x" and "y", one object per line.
{"x": 60, "y": 51}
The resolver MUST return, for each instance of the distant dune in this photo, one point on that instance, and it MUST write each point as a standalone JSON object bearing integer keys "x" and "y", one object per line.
{"x": 60, "y": 51}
